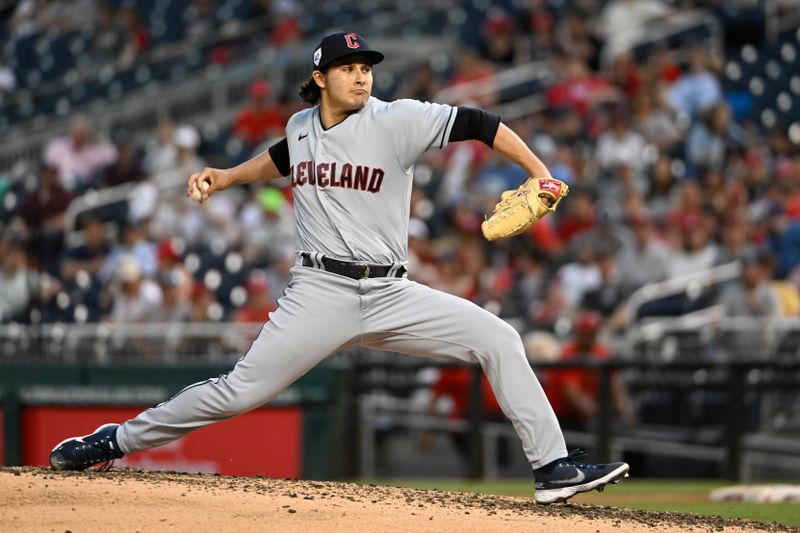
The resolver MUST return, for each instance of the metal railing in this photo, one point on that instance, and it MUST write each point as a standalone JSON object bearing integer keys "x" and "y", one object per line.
{"x": 691, "y": 285}
{"x": 114, "y": 342}
{"x": 661, "y": 30}
{"x": 523, "y": 84}
{"x": 700, "y": 337}
{"x": 96, "y": 199}
{"x": 383, "y": 382}
{"x": 739, "y": 451}
{"x": 781, "y": 17}
{"x": 520, "y": 90}
{"x": 714, "y": 337}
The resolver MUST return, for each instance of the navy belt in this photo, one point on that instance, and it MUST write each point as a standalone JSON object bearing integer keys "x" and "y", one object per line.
{"x": 351, "y": 269}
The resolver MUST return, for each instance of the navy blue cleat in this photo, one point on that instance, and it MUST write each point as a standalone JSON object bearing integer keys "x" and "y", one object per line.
{"x": 564, "y": 478}
{"x": 80, "y": 453}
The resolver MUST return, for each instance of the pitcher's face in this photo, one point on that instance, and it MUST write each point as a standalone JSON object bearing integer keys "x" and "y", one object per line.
{"x": 348, "y": 83}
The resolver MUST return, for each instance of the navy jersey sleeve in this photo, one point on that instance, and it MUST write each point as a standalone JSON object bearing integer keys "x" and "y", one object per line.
{"x": 279, "y": 152}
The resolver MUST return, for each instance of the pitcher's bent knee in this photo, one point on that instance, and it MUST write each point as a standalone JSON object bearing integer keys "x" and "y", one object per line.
{"x": 500, "y": 338}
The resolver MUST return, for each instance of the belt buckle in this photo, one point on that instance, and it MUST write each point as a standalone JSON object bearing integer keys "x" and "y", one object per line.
{"x": 366, "y": 267}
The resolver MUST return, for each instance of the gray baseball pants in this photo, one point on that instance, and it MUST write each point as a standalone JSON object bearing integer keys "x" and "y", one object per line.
{"x": 322, "y": 313}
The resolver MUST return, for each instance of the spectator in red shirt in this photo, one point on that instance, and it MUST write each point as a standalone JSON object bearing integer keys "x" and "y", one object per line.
{"x": 44, "y": 208}
{"x": 540, "y": 25}
{"x": 625, "y": 74}
{"x": 258, "y": 305}
{"x": 454, "y": 384}
{"x": 580, "y": 215}
{"x": 287, "y": 24}
{"x": 544, "y": 236}
{"x": 170, "y": 264}
{"x": 204, "y": 306}
{"x": 500, "y": 40}
{"x": 580, "y": 89}
{"x": 261, "y": 119}
{"x": 43, "y": 211}
{"x": 471, "y": 68}
{"x": 574, "y": 392}
{"x": 136, "y": 34}
{"x": 689, "y": 208}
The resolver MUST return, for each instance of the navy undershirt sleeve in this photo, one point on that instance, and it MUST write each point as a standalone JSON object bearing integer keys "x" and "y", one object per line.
{"x": 279, "y": 152}
{"x": 474, "y": 124}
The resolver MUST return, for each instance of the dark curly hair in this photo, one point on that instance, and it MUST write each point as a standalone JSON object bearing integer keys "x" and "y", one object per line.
{"x": 309, "y": 91}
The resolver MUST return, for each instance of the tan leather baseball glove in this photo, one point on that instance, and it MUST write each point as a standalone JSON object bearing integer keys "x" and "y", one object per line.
{"x": 519, "y": 209}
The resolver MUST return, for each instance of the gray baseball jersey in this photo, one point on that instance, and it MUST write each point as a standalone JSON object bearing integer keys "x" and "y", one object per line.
{"x": 352, "y": 181}
{"x": 352, "y": 187}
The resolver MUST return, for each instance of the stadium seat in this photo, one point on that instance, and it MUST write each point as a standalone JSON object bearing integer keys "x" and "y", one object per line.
{"x": 193, "y": 263}
{"x": 33, "y": 77}
{"x": 756, "y": 86}
{"x": 25, "y": 58}
{"x": 63, "y": 106}
{"x": 126, "y": 80}
{"x": 194, "y": 60}
{"x": 768, "y": 118}
{"x": 79, "y": 44}
{"x": 784, "y": 102}
{"x": 142, "y": 75}
{"x": 177, "y": 72}
{"x": 228, "y": 283}
{"x": 773, "y": 69}
{"x": 145, "y": 8}
{"x": 242, "y": 8}
{"x": 749, "y": 54}
{"x": 789, "y": 54}
{"x": 158, "y": 29}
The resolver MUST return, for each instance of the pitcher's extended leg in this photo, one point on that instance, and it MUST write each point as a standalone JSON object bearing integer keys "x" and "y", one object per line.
{"x": 317, "y": 316}
{"x": 410, "y": 318}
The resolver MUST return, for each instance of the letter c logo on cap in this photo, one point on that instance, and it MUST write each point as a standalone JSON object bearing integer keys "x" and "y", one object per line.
{"x": 352, "y": 40}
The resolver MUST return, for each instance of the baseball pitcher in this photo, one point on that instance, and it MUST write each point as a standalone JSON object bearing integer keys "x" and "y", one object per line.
{"x": 351, "y": 161}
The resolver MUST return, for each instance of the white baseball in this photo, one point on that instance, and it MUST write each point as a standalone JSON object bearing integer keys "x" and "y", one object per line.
{"x": 196, "y": 195}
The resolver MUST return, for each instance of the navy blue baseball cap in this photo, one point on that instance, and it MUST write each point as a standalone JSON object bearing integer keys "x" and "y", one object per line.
{"x": 342, "y": 44}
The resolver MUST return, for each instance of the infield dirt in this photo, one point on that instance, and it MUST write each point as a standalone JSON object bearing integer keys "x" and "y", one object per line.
{"x": 123, "y": 500}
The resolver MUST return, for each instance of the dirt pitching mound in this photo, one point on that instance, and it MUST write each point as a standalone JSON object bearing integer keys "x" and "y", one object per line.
{"x": 123, "y": 500}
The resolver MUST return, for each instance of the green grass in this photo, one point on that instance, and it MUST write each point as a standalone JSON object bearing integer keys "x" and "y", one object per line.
{"x": 783, "y": 513}
{"x": 675, "y": 496}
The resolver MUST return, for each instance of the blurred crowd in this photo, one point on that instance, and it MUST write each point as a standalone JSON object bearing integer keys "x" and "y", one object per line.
{"x": 122, "y": 29}
{"x": 666, "y": 179}
{"x": 50, "y": 41}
